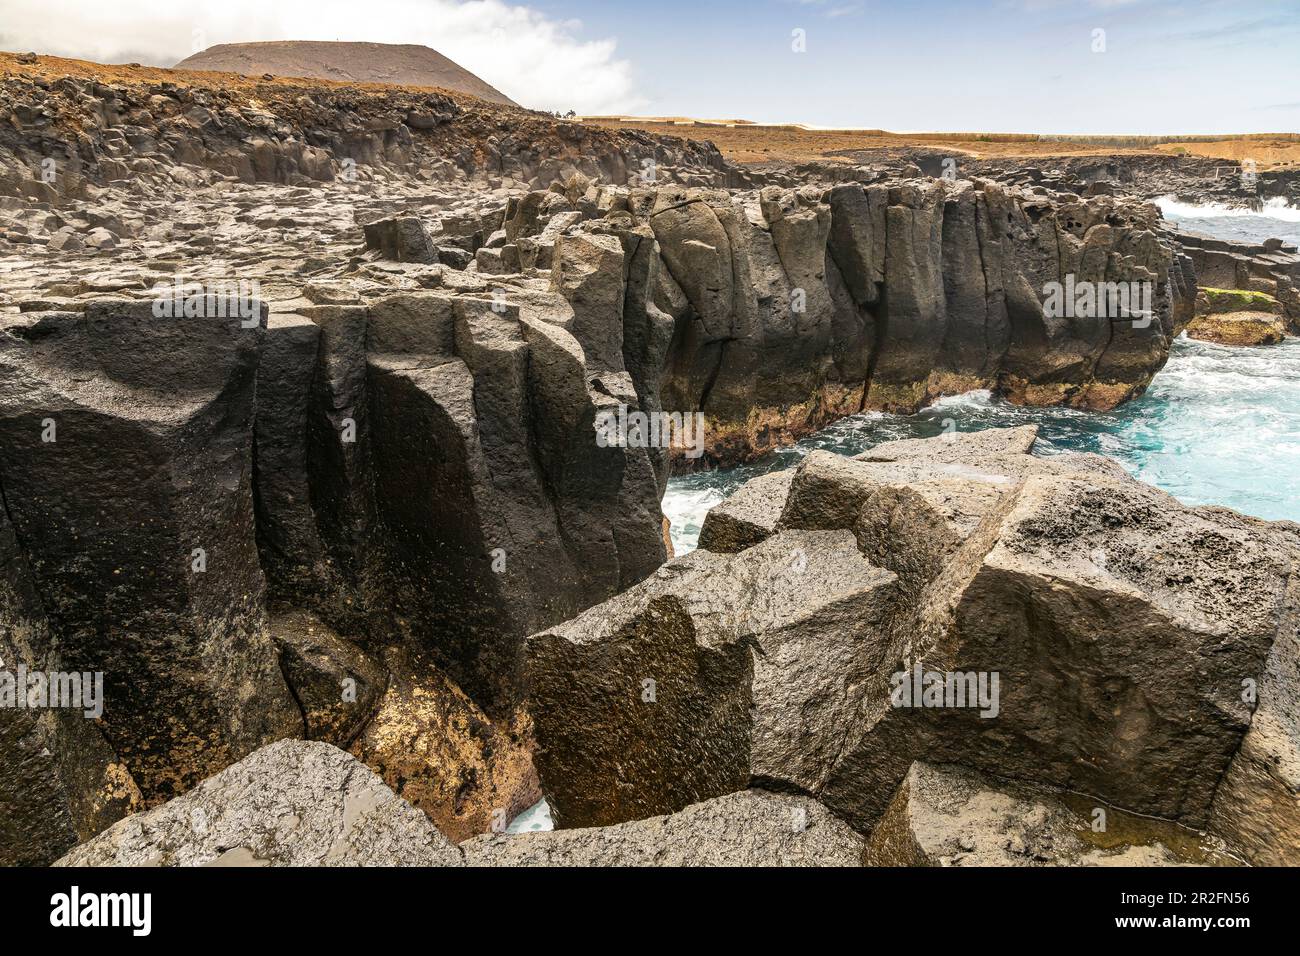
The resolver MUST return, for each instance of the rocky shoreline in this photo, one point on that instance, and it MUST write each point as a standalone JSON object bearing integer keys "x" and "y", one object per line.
{"x": 301, "y": 456}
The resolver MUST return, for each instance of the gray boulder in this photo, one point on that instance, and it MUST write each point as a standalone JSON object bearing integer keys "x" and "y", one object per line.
{"x": 715, "y": 671}
{"x": 293, "y": 803}
{"x": 751, "y": 828}
{"x": 749, "y": 516}
{"x": 948, "y": 816}
{"x": 401, "y": 238}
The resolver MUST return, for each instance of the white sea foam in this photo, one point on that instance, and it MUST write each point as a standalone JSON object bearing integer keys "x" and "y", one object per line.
{"x": 1275, "y": 208}
{"x": 535, "y": 818}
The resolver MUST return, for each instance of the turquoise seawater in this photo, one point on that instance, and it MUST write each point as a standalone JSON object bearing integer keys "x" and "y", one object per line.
{"x": 1219, "y": 425}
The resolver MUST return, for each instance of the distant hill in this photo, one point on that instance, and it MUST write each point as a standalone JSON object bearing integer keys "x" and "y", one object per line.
{"x": 404, "y": 64}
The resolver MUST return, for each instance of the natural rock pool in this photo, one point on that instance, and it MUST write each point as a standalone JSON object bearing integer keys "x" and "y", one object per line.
{"x": 1219, "y": 425}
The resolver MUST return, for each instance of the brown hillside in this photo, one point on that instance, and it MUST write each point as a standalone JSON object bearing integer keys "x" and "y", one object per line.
{"x": 397, "y": 64}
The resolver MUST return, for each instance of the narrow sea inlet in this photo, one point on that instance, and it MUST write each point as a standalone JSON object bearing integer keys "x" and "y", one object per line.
{"x": 1219, "y": 424}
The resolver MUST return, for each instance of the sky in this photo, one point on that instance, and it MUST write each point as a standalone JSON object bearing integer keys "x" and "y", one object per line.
{"x": 1044, "y": 66}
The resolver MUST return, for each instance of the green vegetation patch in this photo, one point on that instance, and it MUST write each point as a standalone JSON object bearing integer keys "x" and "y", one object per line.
{"x": 1239, "y": 300}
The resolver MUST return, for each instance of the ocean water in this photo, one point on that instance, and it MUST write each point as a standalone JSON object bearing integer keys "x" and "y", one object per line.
{"x": 535, "y": 818}
{"x": 1219, "y": 425}
{"x": 1275, "y": 220}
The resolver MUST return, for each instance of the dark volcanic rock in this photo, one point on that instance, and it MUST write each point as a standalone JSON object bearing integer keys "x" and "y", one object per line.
{"x": 337, "y": 685}
{"x": 403, "y": 239}
{"x": 435, "y": 748}
{"x": 290, "y": 544}
{"x": 795, "y": 307}
{"x": 60, "y": 782}
{"x": 126, "y": 465}
{"x": 1107, "y": 581}
{"x": 749, "y": 516}
{"x": 499, "y": 512}
{"x": 715, "y": 671}
{"x": 1100, "y": 634}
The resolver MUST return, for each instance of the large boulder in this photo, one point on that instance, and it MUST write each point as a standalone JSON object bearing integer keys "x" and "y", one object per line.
{"x": 294, "y": 803}
{"x": 751, "y": 828}
{"x": 401, "y": 238}
{"x": 948, "y": 816}
{"x": 749, "y": 516}
{"x": 1119, "y": 624}
{"x": 1238, "y": 328}
{"x": 715, "y": 671}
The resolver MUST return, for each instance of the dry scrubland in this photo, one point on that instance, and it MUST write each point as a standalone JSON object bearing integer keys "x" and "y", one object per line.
{"x": 743, "y": 142}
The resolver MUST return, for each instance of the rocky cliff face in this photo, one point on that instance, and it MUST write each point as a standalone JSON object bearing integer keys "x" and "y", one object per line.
{"x": 71, "y": 127}
{"x": 785, "y": 309}
{"x": 418, "y": 470}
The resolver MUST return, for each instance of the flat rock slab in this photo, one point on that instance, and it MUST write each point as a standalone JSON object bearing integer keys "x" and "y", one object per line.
{"x": 294, "y": 803}
{"x": 947, "y": 816}
{"x": 1238, "y": 328}
{"x": 750, "y": 828}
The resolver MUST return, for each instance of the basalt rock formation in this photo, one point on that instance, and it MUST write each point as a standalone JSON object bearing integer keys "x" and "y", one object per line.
{"x": 777, "y": 311}
{"x": 1267, "y": 276}
{"x": 71, "y": 128}
{"x": 957, "y": 601}
{"x": 300, "y": 387}
{"x": 1193, "y": 179}
{"x": 242, "y": 546}
{"x": 61, "y": 781}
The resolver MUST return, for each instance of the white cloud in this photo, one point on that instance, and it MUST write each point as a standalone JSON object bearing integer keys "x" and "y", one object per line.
{"x": 537, "y": 61}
